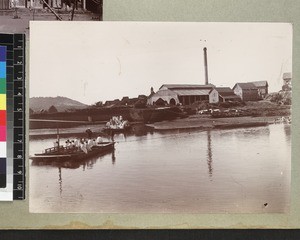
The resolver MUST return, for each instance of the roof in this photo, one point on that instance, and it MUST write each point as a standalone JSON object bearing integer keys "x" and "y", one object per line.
{"x": 248, "y": 86}
{"x": 192, "y": 92}
{"x": 187, "y": 86}
{"x": 226, "y": 92}
{"x": 166, "y": 92}
{"x": 287, "y": 75}
{"x": 260, "y": 83}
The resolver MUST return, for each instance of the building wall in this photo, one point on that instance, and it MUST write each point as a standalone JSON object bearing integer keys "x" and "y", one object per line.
{"x": 262, "y": 92}
{"x": 4, "y": 4}
{"x": 164, "y": 96}
{"x": 250, "y": 95}
{"x": 214, "y": 96}
{"x": 238, "y": 91}
{"x": 188, "y": 100}
{"x": 246, "y": 94}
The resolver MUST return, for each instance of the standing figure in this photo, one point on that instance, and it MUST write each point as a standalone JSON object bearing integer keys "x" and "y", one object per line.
{"x": 89, "y": 133}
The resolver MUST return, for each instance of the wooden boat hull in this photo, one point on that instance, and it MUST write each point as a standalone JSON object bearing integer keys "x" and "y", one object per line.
{"x": 75, "y": 156}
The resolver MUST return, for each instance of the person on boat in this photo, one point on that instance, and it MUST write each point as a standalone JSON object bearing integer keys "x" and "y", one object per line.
{"x": 98, "y": 140}
{"x": 56, "y": 143}
{"x": 89, "y": 144}
{"x": 83, "y": 147}
{"x": 89, "y": 133}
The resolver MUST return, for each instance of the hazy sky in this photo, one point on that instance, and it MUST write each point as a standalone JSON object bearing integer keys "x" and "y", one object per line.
{"x": 99, "y": 61}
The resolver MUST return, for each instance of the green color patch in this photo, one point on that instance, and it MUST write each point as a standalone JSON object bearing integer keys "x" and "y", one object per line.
{"x": 2, "y": 85}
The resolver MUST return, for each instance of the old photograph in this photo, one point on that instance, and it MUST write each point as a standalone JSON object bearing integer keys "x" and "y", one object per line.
{"x": 15, "y": 15}
{"x": 160, "y": 117}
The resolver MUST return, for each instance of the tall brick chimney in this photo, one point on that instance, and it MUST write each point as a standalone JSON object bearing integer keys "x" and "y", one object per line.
{"x": 205, "y": 65}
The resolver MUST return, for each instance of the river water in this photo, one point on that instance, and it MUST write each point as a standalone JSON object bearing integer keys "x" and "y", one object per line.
{"x": 245, "y": 170}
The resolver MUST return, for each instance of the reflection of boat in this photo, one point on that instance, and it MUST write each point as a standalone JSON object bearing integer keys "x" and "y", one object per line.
{"x": 70, "y": 164}
{"x": 73, "y": 153}
{"x": 116, "y": 130}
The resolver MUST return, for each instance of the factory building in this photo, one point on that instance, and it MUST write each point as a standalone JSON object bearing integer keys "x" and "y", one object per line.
{"x": 184, "y": 94}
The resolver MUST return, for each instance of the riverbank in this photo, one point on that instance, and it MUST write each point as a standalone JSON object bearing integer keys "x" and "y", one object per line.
{"x": 205, "y": 122}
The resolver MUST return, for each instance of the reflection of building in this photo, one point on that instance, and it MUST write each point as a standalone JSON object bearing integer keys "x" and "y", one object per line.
{"x": 184, "y": 94}
{"x": 246, "y": 91}
{"x": 222, "y": 94}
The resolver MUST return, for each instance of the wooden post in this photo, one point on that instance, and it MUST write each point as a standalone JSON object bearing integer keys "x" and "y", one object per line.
{"x": 58, "y": 138}
{"x": 101, "y": 10}
{"x": 73, "y": 10}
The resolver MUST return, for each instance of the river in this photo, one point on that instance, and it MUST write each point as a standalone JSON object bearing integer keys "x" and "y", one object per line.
{"x": 244, "y": 170}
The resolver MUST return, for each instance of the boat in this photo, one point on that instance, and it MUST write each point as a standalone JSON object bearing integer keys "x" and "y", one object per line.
{"x": 73, "y": 153}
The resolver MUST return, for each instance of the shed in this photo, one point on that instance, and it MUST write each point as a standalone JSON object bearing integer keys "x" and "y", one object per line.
{"x": 246, "y": 91}
{"x": 222, "y": 94}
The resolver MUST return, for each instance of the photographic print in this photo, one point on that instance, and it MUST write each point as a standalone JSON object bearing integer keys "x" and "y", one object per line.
{"x": 160, "y": 117}
{"x": 15, "y": 15}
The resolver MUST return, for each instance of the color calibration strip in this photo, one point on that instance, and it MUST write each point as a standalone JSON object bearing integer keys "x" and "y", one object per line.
{"x": 3, "y": 121}
{"x": 15, "y": 111}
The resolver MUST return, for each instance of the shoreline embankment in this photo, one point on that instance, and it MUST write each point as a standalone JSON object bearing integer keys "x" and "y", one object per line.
{"x": 193, "y": 122}
{"x": 206, "y": 123}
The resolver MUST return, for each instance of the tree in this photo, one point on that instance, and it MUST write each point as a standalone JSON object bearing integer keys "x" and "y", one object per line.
{"x": 52, "y": 109}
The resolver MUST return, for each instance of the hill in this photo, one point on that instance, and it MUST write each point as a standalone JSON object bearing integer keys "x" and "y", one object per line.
{"x": 60, "y": 103}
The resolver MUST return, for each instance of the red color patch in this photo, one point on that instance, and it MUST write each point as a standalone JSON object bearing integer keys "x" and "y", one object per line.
{"x": 2, "y": 118}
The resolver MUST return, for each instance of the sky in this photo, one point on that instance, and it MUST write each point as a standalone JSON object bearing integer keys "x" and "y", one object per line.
{"x": 99, "y": 61}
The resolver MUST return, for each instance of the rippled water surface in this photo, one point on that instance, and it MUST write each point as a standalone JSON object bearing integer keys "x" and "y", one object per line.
{"x": 237, "y": 171}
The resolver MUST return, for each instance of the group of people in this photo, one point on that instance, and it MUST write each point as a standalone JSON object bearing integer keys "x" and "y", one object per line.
{"x": 80, "y": 143}
{"x": 117, "y": 122}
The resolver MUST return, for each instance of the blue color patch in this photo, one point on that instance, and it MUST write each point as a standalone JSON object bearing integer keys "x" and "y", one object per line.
{"x": 2, "y": 69}
{"x": 2, "y": 53}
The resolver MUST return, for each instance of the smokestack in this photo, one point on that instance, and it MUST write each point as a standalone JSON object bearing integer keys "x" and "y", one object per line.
{"x": 205, "y": 65}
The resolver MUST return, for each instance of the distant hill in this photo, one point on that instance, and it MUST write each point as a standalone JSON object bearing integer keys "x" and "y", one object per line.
{"x": 61, "y": 103}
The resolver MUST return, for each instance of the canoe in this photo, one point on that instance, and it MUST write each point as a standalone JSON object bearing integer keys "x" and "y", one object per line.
{"x": 73, "y": 153}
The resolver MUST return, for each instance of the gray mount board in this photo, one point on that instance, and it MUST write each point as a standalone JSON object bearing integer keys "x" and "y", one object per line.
{"x": 15, "y": 215}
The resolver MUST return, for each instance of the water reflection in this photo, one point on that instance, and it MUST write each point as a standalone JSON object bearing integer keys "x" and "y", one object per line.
{"x": 71, "y": 164}
{"x": 240, "y": 169}
{"x": 60, "y": 181}
{"x": 209, "y": 155}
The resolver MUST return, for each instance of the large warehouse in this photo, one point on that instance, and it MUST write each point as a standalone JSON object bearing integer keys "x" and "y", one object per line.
{"x": 184, "y": 94}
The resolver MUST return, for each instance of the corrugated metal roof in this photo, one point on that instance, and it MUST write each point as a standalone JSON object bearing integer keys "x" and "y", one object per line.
{"x": 192, "y": 92}
{"x": 224, "y": 89}
{"x": 287, "y": 75}
{"x": 260, "y": 83}
{"x": 247, "y": 85}
{"x": 186, "y": 86}
{"x": 166, "y": 92}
